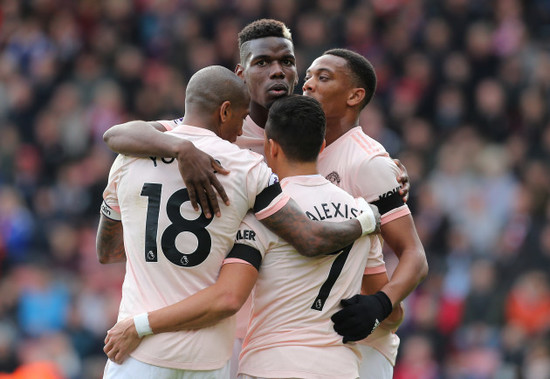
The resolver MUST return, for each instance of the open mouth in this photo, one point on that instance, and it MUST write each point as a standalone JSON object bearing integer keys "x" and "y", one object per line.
{"x": 278, "y": 90}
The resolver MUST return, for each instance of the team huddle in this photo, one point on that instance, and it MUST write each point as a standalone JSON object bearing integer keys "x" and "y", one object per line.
{"x": 285, "y": 277}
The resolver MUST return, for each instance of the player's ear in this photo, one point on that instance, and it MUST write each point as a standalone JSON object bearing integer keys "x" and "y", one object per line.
{"x": 225, "y": 111}
{"x": 323, "y": 146}
{"x": 273, "y": 148}
{"x": 239, "y": 70}
{"x": 356, "y": 96}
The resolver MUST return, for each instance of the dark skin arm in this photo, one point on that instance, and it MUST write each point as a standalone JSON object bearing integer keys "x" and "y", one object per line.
{"x": 144, "y": 139}
{"x": 401, "y": 236}
{"x": 373, "y": 283}
{"x": 109, "y": 241}
{"x": 311, "y": 238}
{"x": 360, "y": 314}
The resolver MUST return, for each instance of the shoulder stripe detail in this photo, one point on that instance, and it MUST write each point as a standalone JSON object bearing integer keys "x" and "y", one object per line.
{"x": 246, "y": 253}
{"x": 370, "y": 146}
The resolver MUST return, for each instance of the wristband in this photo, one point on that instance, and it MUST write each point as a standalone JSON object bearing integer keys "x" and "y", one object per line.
{"x": 367, "y": 219}
{"x": 141, "y": 322}
{"x": 109, "y": 212}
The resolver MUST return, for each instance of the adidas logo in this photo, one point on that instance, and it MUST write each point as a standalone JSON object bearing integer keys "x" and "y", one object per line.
{"x": 376, "y": 323}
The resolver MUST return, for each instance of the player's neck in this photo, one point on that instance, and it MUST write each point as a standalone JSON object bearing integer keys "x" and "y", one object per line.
{"x": 258, "y": 114}
{"x": 338, "y": 126}
{"x": 296, "y": 169}
{"x": 201, "y": 122}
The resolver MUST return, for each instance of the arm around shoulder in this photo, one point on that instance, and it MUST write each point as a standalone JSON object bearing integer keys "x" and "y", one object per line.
{"x": 146, "y": 139}
{"x": 207, "y": 307}
{"x": 141, "y": 139}
{"x": 313, "y": 238}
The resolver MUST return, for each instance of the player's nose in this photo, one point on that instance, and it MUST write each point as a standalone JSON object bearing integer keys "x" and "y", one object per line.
{"x": 277, "y": 70}
{"x": 308, "y": 86}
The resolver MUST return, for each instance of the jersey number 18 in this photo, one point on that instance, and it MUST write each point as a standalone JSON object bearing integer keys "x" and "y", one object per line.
{"x": 178, "y": 225}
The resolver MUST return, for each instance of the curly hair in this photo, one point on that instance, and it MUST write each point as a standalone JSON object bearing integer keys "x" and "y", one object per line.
{"x": 264, "y": 28}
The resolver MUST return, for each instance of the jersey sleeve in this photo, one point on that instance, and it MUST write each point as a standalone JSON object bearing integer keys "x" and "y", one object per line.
{"x": 251, "y": 243}
{"x": 381, "y": 188}
{"x": 110, "y": 198}
{"x": 375, "y": 261}
{"x": 170, "y": 124}
{"x": 269, "y": 197}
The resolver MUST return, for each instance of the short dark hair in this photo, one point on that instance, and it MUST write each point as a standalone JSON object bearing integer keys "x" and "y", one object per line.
{"x": 362, "y": 71}
{"x": 298, "y": 124}
{"x": 262, "y": 28}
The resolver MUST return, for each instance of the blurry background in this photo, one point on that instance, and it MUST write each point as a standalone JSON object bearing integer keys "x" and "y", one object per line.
{"x": 463, "y": 100}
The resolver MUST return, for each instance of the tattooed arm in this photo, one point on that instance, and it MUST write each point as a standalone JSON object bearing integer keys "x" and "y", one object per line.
{"x": 109, "y": 241}
{"x": 313, "y": 238}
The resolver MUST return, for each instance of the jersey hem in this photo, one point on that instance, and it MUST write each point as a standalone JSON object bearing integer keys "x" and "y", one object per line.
{"x": 375, "y": 270}
{"x": 395, "y": 214}
{"x": 180, "y": 365}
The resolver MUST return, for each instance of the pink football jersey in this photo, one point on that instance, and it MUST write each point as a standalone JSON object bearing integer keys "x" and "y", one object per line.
{"x": 174, "y": 251}
{"x": 253, "y": 137}
{"x": 290, "y": 333}
{"x": 362, "y": 167}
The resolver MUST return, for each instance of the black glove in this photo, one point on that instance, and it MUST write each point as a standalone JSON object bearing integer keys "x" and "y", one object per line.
{"x": 361, "y": 315}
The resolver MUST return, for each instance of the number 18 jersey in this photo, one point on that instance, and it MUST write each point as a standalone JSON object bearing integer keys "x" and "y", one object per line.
{"x": 173, "y": 251}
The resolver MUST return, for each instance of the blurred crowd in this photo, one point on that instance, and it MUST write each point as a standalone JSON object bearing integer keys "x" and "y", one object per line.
{"x": 463, "y": 99}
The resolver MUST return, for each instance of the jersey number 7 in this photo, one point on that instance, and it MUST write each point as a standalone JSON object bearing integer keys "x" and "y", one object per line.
{"x": 333, "y": 274}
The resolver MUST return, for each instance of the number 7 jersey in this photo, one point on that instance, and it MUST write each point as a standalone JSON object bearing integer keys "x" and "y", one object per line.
{"x": 290, "y": 334}
{"x": 174, "y": 251}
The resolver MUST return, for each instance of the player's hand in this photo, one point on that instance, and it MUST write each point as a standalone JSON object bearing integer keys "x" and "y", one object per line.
{"x": 395, "y": 319}
{"x": 403, "y": 179}
{"x": 121, "y": 340}
{"x": 377, "y": 217}
{"x": 361, "y": 315}
{"x": 198, "y": 171}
